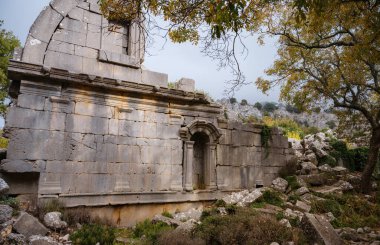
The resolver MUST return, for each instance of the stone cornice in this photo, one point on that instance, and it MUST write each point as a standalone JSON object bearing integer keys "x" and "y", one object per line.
{"x": 37, "y": 73}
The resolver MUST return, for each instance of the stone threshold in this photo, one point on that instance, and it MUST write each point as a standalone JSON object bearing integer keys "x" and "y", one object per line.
{"x": 37, "y": 73}
{"x": 106, "y": 199}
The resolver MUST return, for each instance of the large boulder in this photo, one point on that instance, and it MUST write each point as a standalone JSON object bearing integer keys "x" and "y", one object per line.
{"x": 280, "y": 184}
{"x": 53, "y": 221}
{"x": 308, "y": 168}
{"x": 28, "y": 225}
{"x": 319, "y": 230}
{"x": 194, "y": 213}
{"x": 242, "y": 198}
{"x": 4, "y": 187}
{"x": 5, "y": 213}
{"x": 325, "y": 168}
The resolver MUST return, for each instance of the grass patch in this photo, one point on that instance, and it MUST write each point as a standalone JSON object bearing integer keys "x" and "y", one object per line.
{"x": 293, "y": 182}
{"x": 12, "y": 202}
{"x": 270, "y": 197}
{"x": 91, "y": 234}
{"x": 151, "y": 231}
{"x": 167, "y": 214}
{"x": 350, "y": 210}
{"x": 241, "y": 228}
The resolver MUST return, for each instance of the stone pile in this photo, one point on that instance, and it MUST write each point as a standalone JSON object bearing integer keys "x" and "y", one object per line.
{"x": 20, "y": 228}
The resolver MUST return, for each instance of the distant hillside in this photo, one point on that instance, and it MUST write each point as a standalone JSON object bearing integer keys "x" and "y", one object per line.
{"x": 242, "y": 111}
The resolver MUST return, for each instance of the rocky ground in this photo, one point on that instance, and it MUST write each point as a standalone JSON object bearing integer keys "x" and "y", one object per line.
{"x": 312, "y": 203}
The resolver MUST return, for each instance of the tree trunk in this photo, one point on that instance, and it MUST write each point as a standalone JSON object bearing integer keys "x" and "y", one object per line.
{"x": 373, "y": 156}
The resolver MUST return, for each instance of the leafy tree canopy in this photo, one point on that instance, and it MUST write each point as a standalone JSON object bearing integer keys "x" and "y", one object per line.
{"x": 328, "y": 54}
{"x": 8, "y": 42}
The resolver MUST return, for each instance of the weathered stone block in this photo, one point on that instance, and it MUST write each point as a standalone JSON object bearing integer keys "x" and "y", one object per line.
{"x": 128, "y": 154}
{"x": 73, "y": 25}
{"x": 185, "y": 84}
{"x": 167, "y": 131}
{"x": 70, "y": 37}
{"x": 127, "y": 74}
{"x": 45, "y": 25}
{"x": 76, "y": 13}
{"x": 154, "y": 154}
{"x": 63, "y": 7}
{"x": 26, "y": 118}
{"x": 93, "y": 28}
{"x": 64, "y": 61}
{"x": 92, "y": 18}
{"x": 118, "y": 58}
{"x": 96, "y": 110}
{"x": 86, "y": 124}
{"x": 95, "y": 8}
{"x": 155, "y": 78}
{"x": 86, "y": 52}
{"x": 93, "y": 67}
{"x": 31, "y": 101}
{"x": 84, "y": 5}
{"x": 34, "y": 50}
{"x": 61, "y": 47}
{"x": 130, "y": 128}
{"x": 27, "y": 225}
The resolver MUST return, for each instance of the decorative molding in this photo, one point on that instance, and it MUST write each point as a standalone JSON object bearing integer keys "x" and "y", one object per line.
{"x": 201, "y": 126}
{"x": 56, "y": 99}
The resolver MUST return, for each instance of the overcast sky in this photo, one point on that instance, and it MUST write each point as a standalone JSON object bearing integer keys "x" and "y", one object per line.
{"x": 177, "y": 60}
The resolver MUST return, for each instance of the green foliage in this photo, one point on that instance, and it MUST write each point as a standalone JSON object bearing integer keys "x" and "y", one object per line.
{"x": 292, "y": 109}
{"x": 12, "y": 202}
{"x": 242, "y": 227}
{"x": 231, "y": 209}
{"x": 293, "y": 182}
{"x": 350, "y": 210}
{"x": 327, "y": 160}
{"x": 150, "y": 230}
{"x": 266, "y": 135}
{"x": 171, "y": 85}
{"x": 8, "y": 42}
{"x": 270, "y": 107}
{"x": 220, "y": 203}
{"x": 270, "y": 197}
{"x": 167, "y": 214}
{"x": 244, "y": 102}
{"x": 91, "y": 234}
{"x": 258, "y": 105}
{"x": 233, "y": 100}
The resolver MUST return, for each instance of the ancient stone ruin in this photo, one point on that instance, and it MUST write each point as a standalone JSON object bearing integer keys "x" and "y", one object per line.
{"x": 90, "y": 126}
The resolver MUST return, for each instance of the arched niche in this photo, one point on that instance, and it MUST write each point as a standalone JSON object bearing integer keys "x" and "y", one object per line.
{"x": 200, "y": 133}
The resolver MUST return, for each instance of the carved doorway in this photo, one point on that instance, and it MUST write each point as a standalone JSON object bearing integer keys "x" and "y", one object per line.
{"x": 199, "y": 163}
{"x": 201, "y": 141}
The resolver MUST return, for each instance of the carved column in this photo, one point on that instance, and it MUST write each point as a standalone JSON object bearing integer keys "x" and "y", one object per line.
{"x": 211, "y": 166}
{"x": 188, "y": 165}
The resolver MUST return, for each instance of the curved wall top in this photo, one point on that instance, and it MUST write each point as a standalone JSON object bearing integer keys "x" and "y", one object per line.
{"x": 73, "y": 35}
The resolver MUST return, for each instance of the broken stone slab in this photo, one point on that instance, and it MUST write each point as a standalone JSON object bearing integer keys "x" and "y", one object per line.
{"x": 340, "y": 170}
{"x": 280, "y": 184}
{"x": 166, "y": 220}
{"x": 317, "y": 228}
{"x": 285, "y": 222}
{"x": 190, "y": 214}
{"x": 339, "y": 187}
{"x": 5, "y": 213}
{"x": 41, "y": 240}
{"x": 187, "y": 226}
{"x": 301, "y": 191}
{"x": 293, "y": 214}
{"x": 4, "y": 187}
{"x": 53, "y": 221}
{"x": 242, "y": 198}
{"x": 308, "y": 168}
{"x": 325, "y": 168}
{"x": 303, "y": 206}
{"x": 28, "y": 225}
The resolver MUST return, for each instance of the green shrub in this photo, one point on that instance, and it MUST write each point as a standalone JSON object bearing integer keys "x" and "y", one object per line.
{"x": 327, "y": 160}
{"x": 349, "y": 210}
{"x": 220, "y": 203}
{"x": 293, "y": 182}
{"x": 233, "y": 100}
{"x": 179, "y": 238}
{"x": 258, "y": 105}
{"x": 244, "y": 102}
{"x": 167, "y": 214}
{"x": 150, "y": 230}
{"x": 91, "y": 234}
{"x": 231, "y": 209}
{"x": 12, "y": 202}
{"x": 270, "y": 197}
{"x": 242, "y": 228}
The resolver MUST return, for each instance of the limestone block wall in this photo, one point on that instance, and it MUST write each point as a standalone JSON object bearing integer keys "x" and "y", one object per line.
{"x": 242, "y": 161}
